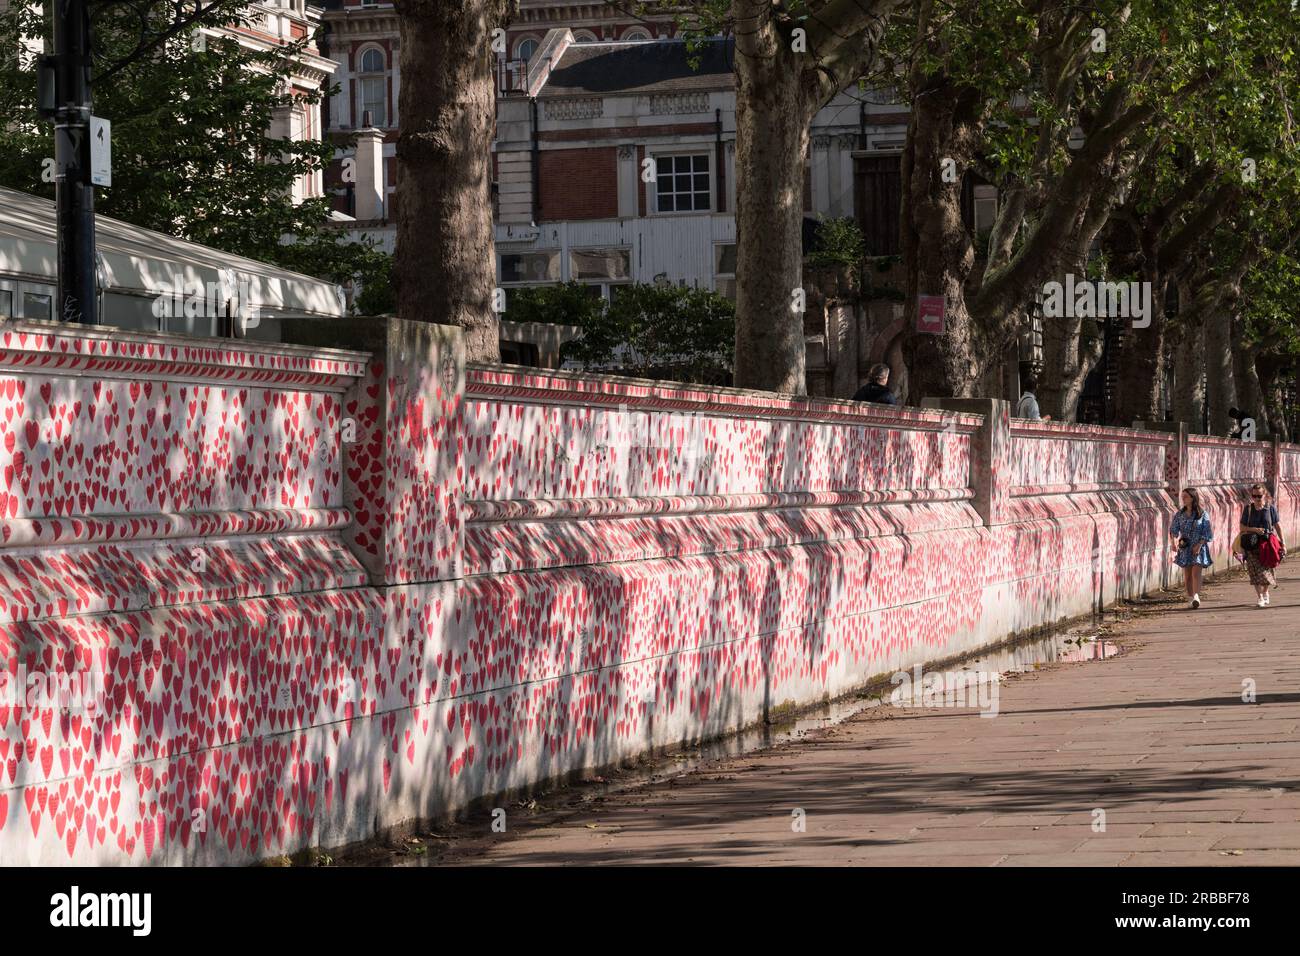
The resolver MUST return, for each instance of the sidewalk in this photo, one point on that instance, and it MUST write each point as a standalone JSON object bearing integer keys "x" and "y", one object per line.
{"x": 1158, "y": 738}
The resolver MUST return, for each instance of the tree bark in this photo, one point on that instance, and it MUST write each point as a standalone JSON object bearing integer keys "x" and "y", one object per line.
{"x": 771, "y": 143}
{"x": 1189, "y": 367}
{"x": 444, "y": 268}
{"x": 781, "y": 82}
{"x": 1073, "y": 346}
{"x": 1220, "y": 372}
{"x": 1270, "y": 367}
{"x": 1141, "y": 361}
{"x": 1250, "y": 396}
{"x": 943, "y": 131}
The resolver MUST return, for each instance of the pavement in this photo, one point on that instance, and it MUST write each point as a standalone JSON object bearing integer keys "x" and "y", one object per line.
{"x": 1148, "y": 758}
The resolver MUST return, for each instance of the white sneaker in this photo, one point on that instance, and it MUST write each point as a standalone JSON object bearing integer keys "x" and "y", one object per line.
{"x": 1268, "y": 599}
{"x": 1262, "y": 603}
{"x": 1196, "y": 600}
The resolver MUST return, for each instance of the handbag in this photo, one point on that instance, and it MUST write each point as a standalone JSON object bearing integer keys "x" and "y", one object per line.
{"x": 1270, "y": 551}
{"x": 1252, "y": 540}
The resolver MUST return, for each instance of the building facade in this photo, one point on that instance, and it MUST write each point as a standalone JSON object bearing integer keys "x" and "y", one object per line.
{"x": 614, "y": 163}
{"x": 614, "y": 150}
{"x": 362, "y": 37}
{"x": 274, "y": 23}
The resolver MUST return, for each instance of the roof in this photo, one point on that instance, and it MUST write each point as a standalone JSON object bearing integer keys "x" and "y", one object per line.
{"x": 646, "y": 66}
{"x": 143, "y": 261}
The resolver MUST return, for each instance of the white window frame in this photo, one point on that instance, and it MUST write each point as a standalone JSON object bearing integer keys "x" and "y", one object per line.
{"x": 985, "y": 203}
{"x": 525, "y": 283}
{"x": 11, "y": 287}
{"x": 599, "y": 280}
{"x": 23, "y": 289}
{"x": 717, "y": 248}
{"x": 364, "y": 76}
{"x": 519, "y": 44}
{"x": 652, "y": 201}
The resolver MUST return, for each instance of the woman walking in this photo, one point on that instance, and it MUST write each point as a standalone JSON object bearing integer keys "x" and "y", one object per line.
{"x": 1259, "y": 520}
{"x": 1191, "y": 535}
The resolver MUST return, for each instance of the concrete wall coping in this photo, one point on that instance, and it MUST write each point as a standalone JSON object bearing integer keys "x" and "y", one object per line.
{"x": 1027, "y": 428}
{"x": 81, "y": 350}
{"x": 555, "y": 387}
{"x": 1221, "y": 442}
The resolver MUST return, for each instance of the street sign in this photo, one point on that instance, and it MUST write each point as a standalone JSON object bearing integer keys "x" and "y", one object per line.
{"x": 101, "y": 152}
{"x": 930, "y": 314}
{"x": 47, "y": 86}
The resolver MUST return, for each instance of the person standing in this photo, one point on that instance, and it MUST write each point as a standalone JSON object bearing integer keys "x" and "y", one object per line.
{"x": 1234, "y": 416}
{"x": 1191, "y": 534}
{"x": 1028, "y": 405}
{"x": 877, "y": 388}
{"x": 1259, "y": 519}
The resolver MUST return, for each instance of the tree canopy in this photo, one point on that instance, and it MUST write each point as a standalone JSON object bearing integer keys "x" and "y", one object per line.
{"x": 194, "y": 154}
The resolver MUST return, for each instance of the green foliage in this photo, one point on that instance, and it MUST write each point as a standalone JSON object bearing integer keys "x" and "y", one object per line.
{"x": 569, "y": 303}
{"x": 839, "y": 242}
{"x": 377, "y": 296}
{"x": 1270, "y": 294}
{"x": 664, "y": 332}
{"x": 192, "y": 155}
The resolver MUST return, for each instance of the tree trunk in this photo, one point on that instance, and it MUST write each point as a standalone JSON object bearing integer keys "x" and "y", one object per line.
{"x": 444, "y": 268}
{"x": 1189, "y": 372}
{"x": 937, "y": 249}
{"x": 788, "y": 64}
{"x": 1270, "y": 382}
{"x": 1220, "y": 374}
{"x": 1141, "y": 363}
{"x": 772, "y": 123}
{"x": 1072, "y": 347}
{"x": 1250, "y": 397}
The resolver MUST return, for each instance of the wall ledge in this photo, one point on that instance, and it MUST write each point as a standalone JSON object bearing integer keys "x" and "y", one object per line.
{"x": 84, "y": 350}
{"x": 558, "y": 387}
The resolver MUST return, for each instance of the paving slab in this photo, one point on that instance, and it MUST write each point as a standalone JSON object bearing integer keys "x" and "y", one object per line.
{"x": 1155, "y": 742}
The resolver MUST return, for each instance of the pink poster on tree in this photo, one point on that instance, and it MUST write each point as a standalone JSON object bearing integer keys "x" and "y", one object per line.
{"x": 930, "y": 314}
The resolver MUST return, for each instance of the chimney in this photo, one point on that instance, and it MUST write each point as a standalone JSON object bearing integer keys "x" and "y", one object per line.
{"x": 370, "y": 171}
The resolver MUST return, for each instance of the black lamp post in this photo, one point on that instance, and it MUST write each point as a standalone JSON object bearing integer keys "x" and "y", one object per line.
{"x": 63, "y": 96}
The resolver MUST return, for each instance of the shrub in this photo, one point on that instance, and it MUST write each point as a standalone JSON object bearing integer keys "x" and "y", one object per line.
{"x": 838, "y": 242}
{"x": 664, "y": 332}
{"x": 569, "y": 303}
{"x": 377, "y": 296}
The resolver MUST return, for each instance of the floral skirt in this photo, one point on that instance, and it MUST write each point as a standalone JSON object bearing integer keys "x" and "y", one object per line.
{"x": 1259, "y": 575}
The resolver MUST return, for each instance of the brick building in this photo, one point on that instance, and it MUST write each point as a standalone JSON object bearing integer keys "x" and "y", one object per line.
{"x": 615, "y": 157}
{"x": 362, "y": 37}
{"x": 579, "y": 125}
{"x": 616, "y": 163}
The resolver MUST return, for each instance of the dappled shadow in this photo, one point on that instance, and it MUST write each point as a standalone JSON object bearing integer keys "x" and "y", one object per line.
{"x": 888, "y": 797}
